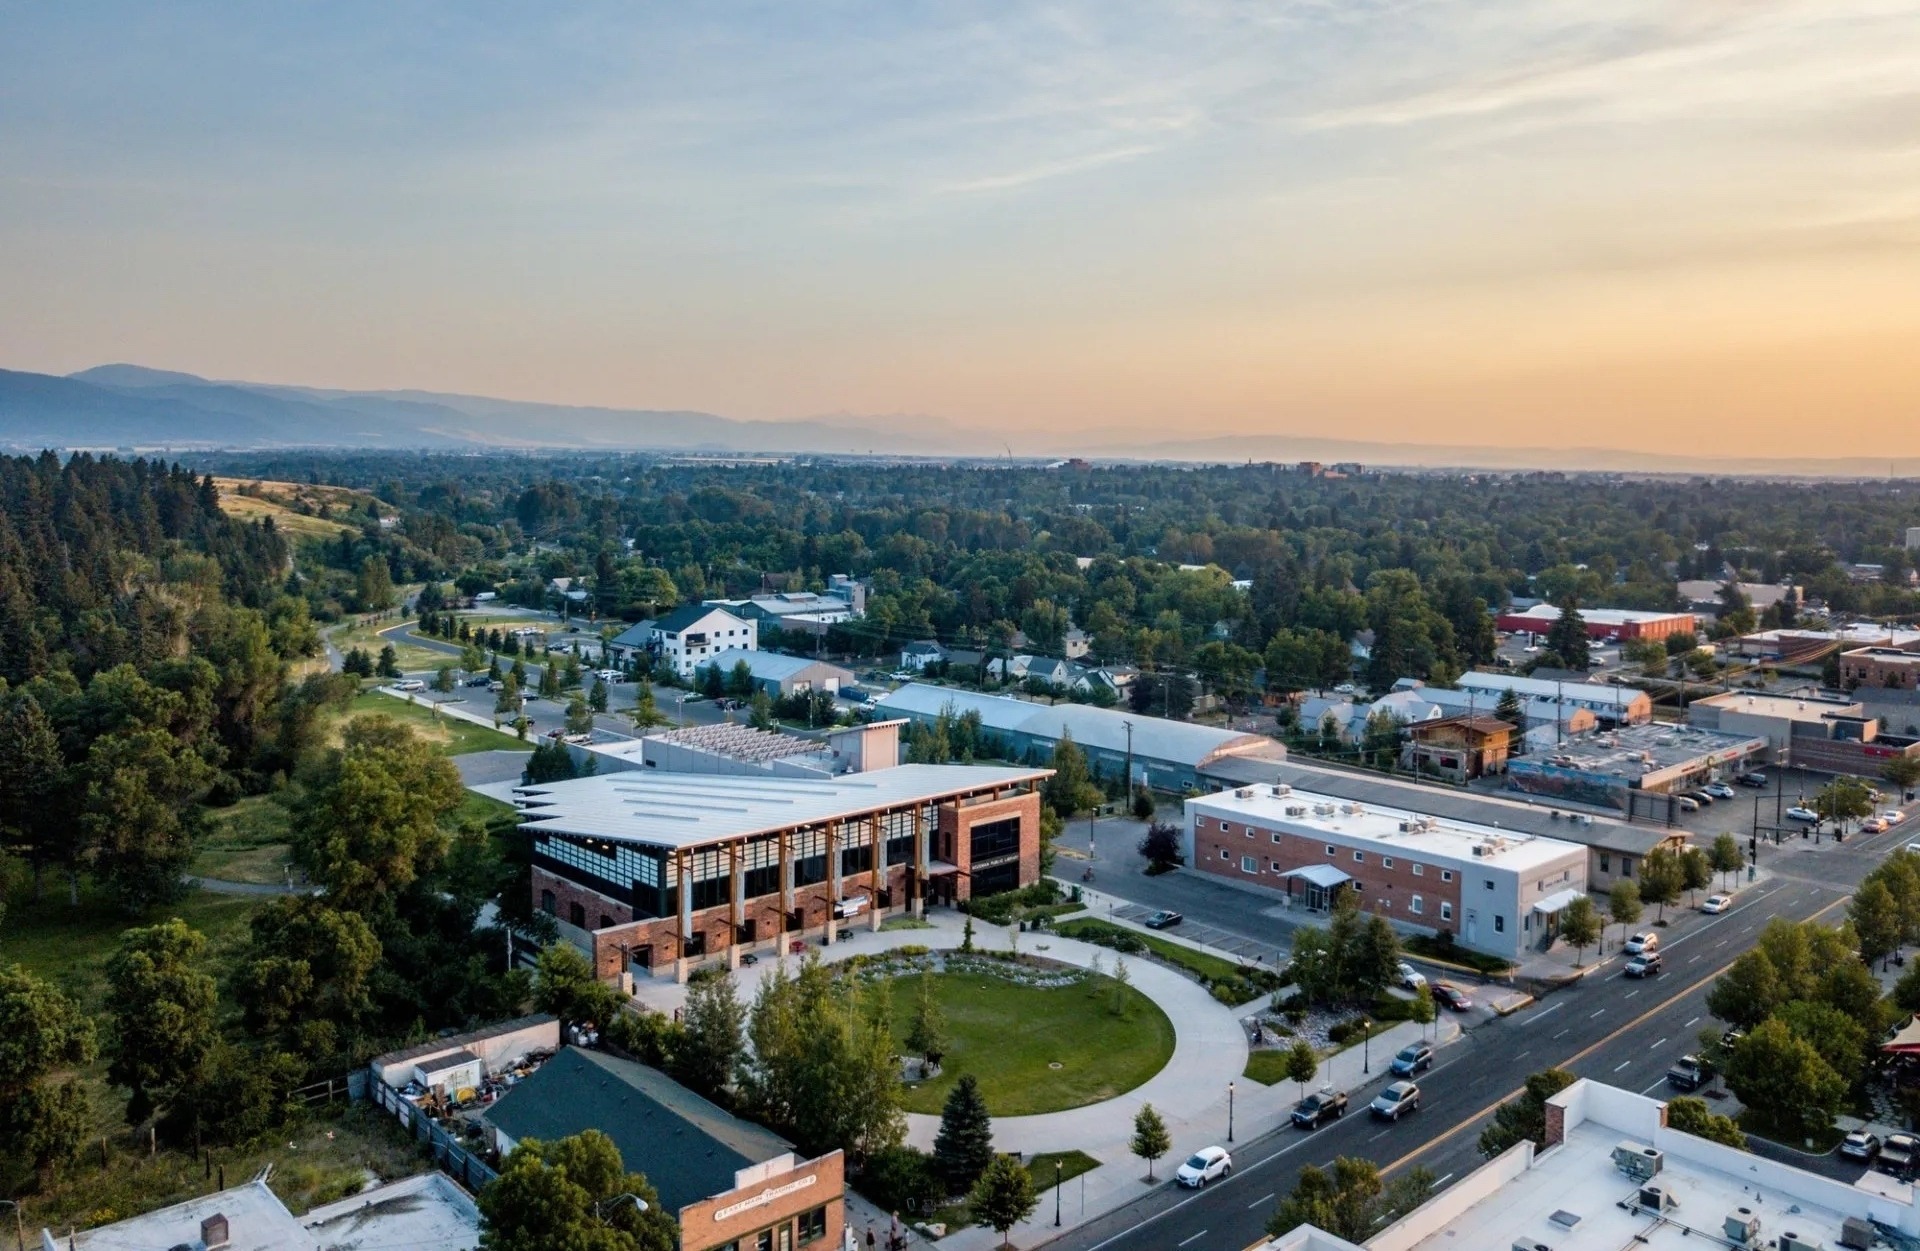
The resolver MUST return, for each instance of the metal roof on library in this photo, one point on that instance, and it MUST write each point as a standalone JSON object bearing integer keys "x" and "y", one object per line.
{"x": 679, "y": 810}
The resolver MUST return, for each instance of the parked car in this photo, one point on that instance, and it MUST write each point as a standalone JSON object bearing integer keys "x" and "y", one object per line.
{"x": 1719, "y": 790}
{"x": 1345, "y": 688}
{"x": 1645, "y": 965}
{"x": 1703, "y": 797}
{"x": 1206, "y": 1164}
{"x": 1716, "y": 903}
{"x": 1689, "y": 1073}
{"x": 1805, "y": 815}
{"x": 1163, "y": 919}
{"x": 1686, "y": 803}
{"x": 1320, "y": 1107}
{"x": 1452, "y": 996}
{"x": 1410, "y": 977}
{"x": 1644, "y": 941}
{"x": 1413, "y": 1058}
{"x": 1396, "y": 1101}
{"x": 1896, "y": 1155}
{"x": 479, "y": 680}
{"x": 1860, "y": 1145}
{"x": 1755, "y": 780}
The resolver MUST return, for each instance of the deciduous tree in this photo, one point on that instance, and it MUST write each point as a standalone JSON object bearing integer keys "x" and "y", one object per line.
{"x": 162, "y": 1013}
{"x": 1003, "y": 1197}
{"x": 1690, "y": 1115}
{"x": 1623, "y": 905}
{"x": 1580, "y": 926}
{"x": 1782, "y": 1077}
{"x": 1726, "y": 857}
{"x": 41, "y": 1032}
{"x": 1524, "y": 1116}
{"x": 574, "y": 1194}
{"x": 713, "y": 1028}
{"x": 1150, "y": 1137}
{"x": 369, "y": 819}
{"x": 927, "y": 1035}
{"x": 1660, "y": 880}
{"x": 1303, "y": 1064}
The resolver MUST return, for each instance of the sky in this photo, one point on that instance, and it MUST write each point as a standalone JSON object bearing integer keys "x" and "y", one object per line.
{"x": 1691, "y": 224}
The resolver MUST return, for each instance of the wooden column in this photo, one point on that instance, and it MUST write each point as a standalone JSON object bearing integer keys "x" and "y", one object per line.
{"x": 877, "y": 877}
{"x": 786, "y": 886}
{"x": 684, "y": 860}
{"x": 833, "y": 881}
{"x": 736, "y": 900}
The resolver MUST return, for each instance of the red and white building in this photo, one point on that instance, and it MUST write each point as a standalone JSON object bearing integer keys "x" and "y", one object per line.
{"x": 1602, "y": 623}
{"x": 1498, "y": 891}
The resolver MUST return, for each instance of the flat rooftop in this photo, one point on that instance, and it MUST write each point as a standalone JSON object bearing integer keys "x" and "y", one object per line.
{"x": 1547, "y": 613}
{"x": 1590, "y": 693}
{"x": 1391, "y": 830}
{"x": 679, "y": 810}
{"x": 1634, "y": 750}
{"x": 1578, "y": 1178}
{"x": 1790, "y": 707}
{"x": 1883, "y": 655}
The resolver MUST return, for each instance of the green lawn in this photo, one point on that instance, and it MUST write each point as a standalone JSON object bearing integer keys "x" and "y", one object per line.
{"x": 370, "y": 638}
{"x": 1009, "y": 1036}
{"x": 1072, "y": 1164}
{"x": 1197, "y": 962}
{"x": 1267, "y": 1067}
{"x": 452, "y": 735}
{"x": 245, "y": 843}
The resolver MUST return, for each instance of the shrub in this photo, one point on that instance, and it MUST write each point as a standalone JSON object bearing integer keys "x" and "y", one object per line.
{"x": 1346, "y": 1031}
{"x": 912, "y": 951}
{"x": 1230, "y": 991}
{"x": 901, "y": 1179}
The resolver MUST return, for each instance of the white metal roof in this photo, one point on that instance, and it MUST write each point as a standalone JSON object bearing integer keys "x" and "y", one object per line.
{"x": 1320, "y": 875}
{"x": 1556, "y": 901}
{"x": 1154, "y": 738}
{"x": 1592, "y": 694}
{"x": 678, "y": 810}
{"x": 772, "y": 666}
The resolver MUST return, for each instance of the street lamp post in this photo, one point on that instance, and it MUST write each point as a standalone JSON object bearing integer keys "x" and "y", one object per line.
{"x": 639, "y": 1204}
{"x": 1056, "y": 1194}
{"x": 1366, "y": 1038}
{"x": 1229, "y": 1111}
{"x": 19, "y": 1223}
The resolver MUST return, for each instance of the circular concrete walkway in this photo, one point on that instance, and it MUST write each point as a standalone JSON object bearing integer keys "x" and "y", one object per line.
{"x": 1209, "y": 1050}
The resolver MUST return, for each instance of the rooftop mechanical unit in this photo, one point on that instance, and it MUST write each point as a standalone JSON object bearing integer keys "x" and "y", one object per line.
{"x": 1639, "y": 1161}
{"x": 1742, "y": 1227}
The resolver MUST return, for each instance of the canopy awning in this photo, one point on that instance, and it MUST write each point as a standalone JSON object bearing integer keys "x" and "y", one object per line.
{"x": 1324, "y": 875}
{"x": 1904, "y": 1041}
{"x": 1556, "y": 901}
{"x": 941, "y": 868}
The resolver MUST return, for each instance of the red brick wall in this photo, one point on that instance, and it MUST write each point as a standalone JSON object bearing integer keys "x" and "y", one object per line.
{"x": 953, "y": 841}
{"x": 1396, "y": 885}
{"x": 699, "y": 1231}
{"x": 663, "y": 933}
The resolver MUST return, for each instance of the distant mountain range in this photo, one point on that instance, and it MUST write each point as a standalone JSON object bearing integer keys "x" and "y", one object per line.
{"x": 113, "y": 406}
{"x": 131, "y": 406}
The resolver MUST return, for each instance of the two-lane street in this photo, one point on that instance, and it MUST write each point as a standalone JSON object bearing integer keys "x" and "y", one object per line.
{"x": 1611, "y": 1028}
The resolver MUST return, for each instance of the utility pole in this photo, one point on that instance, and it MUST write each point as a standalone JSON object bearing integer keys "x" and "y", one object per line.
{"x": 1129, "y": 729}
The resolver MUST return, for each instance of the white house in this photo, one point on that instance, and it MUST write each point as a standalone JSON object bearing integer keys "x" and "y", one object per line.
{"x": 687, "y": 638}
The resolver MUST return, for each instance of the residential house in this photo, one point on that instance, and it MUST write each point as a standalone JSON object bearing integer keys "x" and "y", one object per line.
{"x": 917, "y": 655}
{"x": 689, "y": 637}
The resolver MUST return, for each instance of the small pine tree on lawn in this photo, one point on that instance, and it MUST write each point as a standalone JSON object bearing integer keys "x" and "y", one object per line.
{"x": 963, "y": 1149}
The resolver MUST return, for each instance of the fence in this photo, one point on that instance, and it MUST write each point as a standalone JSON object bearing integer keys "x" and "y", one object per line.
{"x": 448, "y": 1152}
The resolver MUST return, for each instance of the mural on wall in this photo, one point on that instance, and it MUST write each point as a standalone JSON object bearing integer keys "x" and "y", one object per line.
{"x": 1574, "y": 786}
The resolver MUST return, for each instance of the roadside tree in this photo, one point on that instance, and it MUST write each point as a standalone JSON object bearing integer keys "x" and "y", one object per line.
{"x": 1150, "y": 1137}
{"x": 1526, "y": 1115}
{"x": 1303, "y": 1064}
{"x": 1696, "y": 871}
{"x": 1783, "y": 1079}
{"x": 1661, "y": 878}
{"x": 1003, "y": 1197}
{"x": 1580, "y": 926}
{"x": 1623, "y": 905}
{"x": 1726, "y": 857}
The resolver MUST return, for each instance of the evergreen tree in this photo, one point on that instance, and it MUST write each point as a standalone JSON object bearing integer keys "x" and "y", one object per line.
{"x": 963, "y": 1148}
{"x": 740, "y": 680}
{"x": 927, "y": 1036}
{"x": 597, "y": 695}
{"x": 1567, "y": 636}
{"x": 1071, "y": 788}
{"x": 712, "y": 1029}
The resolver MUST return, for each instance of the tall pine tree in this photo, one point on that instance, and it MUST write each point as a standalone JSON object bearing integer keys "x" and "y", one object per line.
{"x": 964, "y": 1146}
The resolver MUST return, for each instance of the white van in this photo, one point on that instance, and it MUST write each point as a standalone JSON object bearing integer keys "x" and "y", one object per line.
{"x": 409, "y": 685}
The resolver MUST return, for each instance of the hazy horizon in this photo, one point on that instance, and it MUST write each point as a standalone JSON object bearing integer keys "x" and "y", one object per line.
{"x": 1426, "y": 222}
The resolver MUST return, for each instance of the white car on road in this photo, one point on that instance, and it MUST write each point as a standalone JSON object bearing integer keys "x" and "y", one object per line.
{"x": 1207, "y": 1164}
{"x": 1807, "y": 815}
{"x": 1410, "y": 977}
{"x": 1717, "y": 903}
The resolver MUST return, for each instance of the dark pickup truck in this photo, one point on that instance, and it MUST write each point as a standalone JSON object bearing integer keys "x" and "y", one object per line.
{"x": 1320, "y": 1107}
{"x": 1689, "y": 1073}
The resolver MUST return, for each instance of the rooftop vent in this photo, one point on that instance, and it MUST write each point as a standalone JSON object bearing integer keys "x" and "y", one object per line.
{"x": 1245, "y": 792}
{"x": 1565, "y": 1219}
{"x": 213, "y": 1231}
{"x": 1742, "y": 1227}
{"x": 1638, "y": 1161}
{"x": 1528, "y": 1244}
{"x": 1656, "y": 1199}
{"x": 1857, "y": 1234}
{"x": 1296, "y": 810}
{"x": 1281, "y": 788}
{"x": 1791, "y": 1241}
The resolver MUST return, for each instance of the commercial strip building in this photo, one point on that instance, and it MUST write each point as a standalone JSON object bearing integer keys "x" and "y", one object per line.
{"x": 728, "y": 1182}
{"x": 1825, "y": 735}
{"x": 1611, "y": 705}
{"x": 1497, "y": 890}
{"x": 1613, "y": 1174}
{"x": 649, "y": 869}
{"x": 1170, "y": 755}
{"x": 1636, "y": 769}
{"x": 1602, "y": 623}
{"x": 1703, "y": 596}
{"x": 1614, "y": 848}
{"x": 1885, "y": 668}
{"x": 1787, "y": 645}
